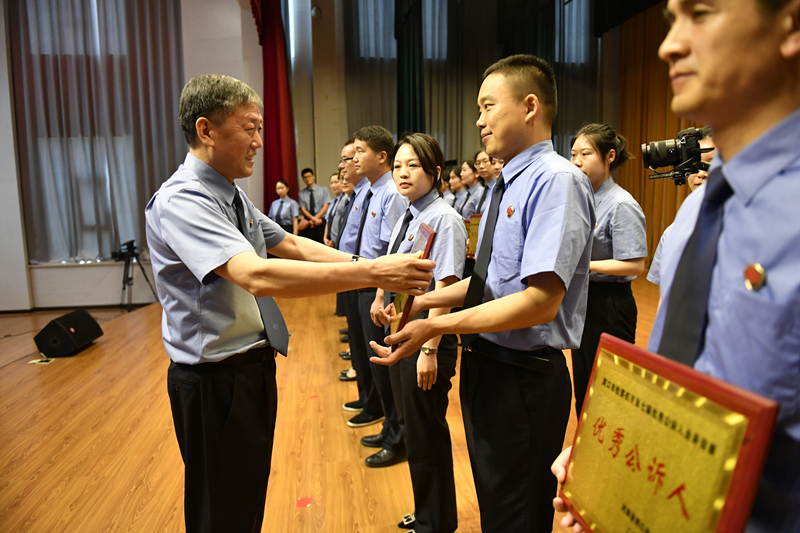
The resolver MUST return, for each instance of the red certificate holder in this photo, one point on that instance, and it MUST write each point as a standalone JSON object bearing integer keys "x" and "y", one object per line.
{"x": 662, "y": 447}
{"x": 423, "y": 242}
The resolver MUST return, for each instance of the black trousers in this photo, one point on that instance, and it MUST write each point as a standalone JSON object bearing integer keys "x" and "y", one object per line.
{"x": 359, "y": 356}
{"x": 340, "y": 304}
{"x": 392, "y": 434}
{"x": 515, "y": 420}
{"x": 427, "y": 438}
{"x": 610, "y": 308}
{"x": 317, "y": 233}
{"x": 224, "y": 419}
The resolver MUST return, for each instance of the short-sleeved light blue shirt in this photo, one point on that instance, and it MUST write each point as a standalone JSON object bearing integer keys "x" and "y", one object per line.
{"x": 449, "y": 198}
{"x": 449, "y": 248}
{"x": 386, "y": 206}
{"x": 332, "y": 207}
{"x": 474, "y": 201}
{"x": 321, "y": 197}
{"x": 544, "y": 225}
{"x": 654, "y": 274}
{"x": 461, "y": 200}
{"x": 284, "y": 214}
{"x": 620, "y": 231}
{"x": 752, "y": 338}
{"x": 350, "y": 230}
{"x": 191, "y": 230}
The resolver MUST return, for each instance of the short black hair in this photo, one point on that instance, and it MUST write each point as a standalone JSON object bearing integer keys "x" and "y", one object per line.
{"x": 282, "y": 182}
{"x": 378, "y": 138}
{"x": 215, "y": 97}
{"x": 302, "y": 172}
{"x": 529, "y": 74}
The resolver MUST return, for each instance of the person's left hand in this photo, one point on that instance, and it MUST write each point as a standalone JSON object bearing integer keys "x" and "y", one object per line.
{"x": 427, "y": 370}
{"x": 559, "y": 469}
{"x": 376, "y": 313}
{"x": 317, "y": 221}
{"x": 410, "y": 339}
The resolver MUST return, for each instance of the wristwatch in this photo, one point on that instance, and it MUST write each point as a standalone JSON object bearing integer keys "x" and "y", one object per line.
{"x": 428, "y": 350}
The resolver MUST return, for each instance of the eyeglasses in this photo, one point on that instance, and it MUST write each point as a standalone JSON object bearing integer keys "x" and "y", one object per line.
{"x": 345, "y": 160}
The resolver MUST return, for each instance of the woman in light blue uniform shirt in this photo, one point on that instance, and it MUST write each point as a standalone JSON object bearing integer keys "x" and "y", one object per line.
{"x": 284, "y": 210}
{"x": 472, "y": 180}
{"x": 421, "y": 382}
{"x": 619, "y": 248}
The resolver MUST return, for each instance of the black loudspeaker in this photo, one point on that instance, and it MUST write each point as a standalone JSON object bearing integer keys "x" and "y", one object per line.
{"x": 67, "y": 335}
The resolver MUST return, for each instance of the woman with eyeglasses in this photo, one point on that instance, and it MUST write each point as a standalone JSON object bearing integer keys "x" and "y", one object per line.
{"x": 421, "y": 382}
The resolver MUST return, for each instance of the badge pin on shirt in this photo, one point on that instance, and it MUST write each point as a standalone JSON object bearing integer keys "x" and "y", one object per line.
{"x": 251, "y": 222}
{"x": 373, "y": 214}
{"x": 754, "y": 276}
{"x": 411, "y": 237}
{"x": 510, "y": 211}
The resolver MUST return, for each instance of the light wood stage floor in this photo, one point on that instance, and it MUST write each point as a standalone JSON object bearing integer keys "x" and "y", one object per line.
{"x": 87, "y": 443}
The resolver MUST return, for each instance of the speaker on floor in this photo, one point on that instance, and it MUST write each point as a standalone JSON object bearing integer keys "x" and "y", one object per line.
{"x": 67, "y": 335}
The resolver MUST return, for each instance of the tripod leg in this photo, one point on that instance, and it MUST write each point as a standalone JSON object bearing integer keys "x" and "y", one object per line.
{"x": 144, "y": 273}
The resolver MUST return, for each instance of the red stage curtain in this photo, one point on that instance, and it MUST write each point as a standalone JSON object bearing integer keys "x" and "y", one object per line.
{"x": 280, "y": 155}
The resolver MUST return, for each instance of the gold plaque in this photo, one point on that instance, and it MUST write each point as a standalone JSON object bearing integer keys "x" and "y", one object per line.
{"x": 472, "y": 229}
{"x": 653, "y": 454}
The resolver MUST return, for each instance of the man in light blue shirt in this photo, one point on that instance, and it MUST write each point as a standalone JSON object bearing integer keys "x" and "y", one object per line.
{"x": 382, "y": 206}
{"x": 208, "y": 246}
{"x": 515, "y": 387}
{"x": 744, "y": 55}
{"x": 314, "y": 201}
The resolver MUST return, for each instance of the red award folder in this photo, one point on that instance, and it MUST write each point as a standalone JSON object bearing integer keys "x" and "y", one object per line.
{"x": 661, "y": 447}
{"x": 423, "y": 242}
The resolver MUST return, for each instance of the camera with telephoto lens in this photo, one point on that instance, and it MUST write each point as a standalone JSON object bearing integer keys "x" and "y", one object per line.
{"x": 682, "y": 154}
{"x": 127, "y": 250}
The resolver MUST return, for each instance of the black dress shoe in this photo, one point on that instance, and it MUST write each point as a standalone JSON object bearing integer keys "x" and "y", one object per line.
{"x": 347, "y": 356}
{"x": 364, "y": 419}
{"x": 344, "y": 338}
{"x": 373, "y": 441}
{"x": 355, "y": 406}
{"x": 344, "y": 331}
{"x": 342, "y": 354}
{"x": 345, "y": 377}
{"x": 386, "y": 458}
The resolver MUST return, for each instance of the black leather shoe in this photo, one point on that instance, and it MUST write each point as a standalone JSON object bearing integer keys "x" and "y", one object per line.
{"x": 345, "y": 377}
{"x": 356, "y": 406}
{"x": 344, "y": 331}
{"x": 344, "y": 338}
{"x": 373, "y": 441}
{"x": 342, "y": 354}
{"x": 347, "y": 356}
{"x": 364, "y": 419}
{"x": 386, "y": 458}
{"x": 344, "y": 372}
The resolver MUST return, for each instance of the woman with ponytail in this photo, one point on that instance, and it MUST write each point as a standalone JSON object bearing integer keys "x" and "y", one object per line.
{"x": 619, "y": 249}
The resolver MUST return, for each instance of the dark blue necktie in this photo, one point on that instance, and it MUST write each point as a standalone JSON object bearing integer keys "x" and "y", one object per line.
{"x": 685, "y": 322}
{"x": 312, "y": 205}
{"x": 478, "y": 280}
{"x": 346, "y": 207}
{"x": 271, "y": 316}
{"x": 279, "y": 216}
{"x": 403, "y": 229}
{"x": 365, "y": 208}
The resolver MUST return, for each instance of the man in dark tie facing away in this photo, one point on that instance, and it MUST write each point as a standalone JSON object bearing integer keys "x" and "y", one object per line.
{"x": 524, "y": 303}
{"x": 221, "y": 327}
{"x": 730, "y": 282}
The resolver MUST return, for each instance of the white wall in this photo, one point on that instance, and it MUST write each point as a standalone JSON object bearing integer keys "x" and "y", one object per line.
{"x": 14, "y": 283}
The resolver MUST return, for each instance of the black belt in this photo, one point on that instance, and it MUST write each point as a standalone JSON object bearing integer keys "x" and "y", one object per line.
{"x": 368, "y": 289}
{"x": 256, "y": 355}
{"x": 610, "y": 286}
{"x": 537, "y": 360}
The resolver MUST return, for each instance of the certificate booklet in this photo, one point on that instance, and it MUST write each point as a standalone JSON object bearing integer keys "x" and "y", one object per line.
{"x": 661, "y": 447}
{"x": 423, "y": 242}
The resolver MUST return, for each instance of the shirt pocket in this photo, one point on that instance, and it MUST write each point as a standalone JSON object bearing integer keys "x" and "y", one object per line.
{"x": 508, "y": 245}
{"x": 256, "y": 238}
{"x": 760, "y": 342}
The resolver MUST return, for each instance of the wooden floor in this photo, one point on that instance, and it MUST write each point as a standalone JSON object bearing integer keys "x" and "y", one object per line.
{"x": 87, "y": 444}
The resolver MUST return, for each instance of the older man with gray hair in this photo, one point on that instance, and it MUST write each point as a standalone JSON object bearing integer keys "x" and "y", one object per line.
{"x": 221, "y": 327}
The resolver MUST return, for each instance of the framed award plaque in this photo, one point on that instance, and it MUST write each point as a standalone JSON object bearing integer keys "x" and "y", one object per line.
{"x": 472, "y": 230}
{"x": 661, "y": 447}
{"x": 423, "y": 242}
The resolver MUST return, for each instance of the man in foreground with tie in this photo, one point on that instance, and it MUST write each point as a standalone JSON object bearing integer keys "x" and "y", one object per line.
{"x": 730, "y": 282}
{"x": 524, "y": 303}
{"x": 208, "y": 246}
